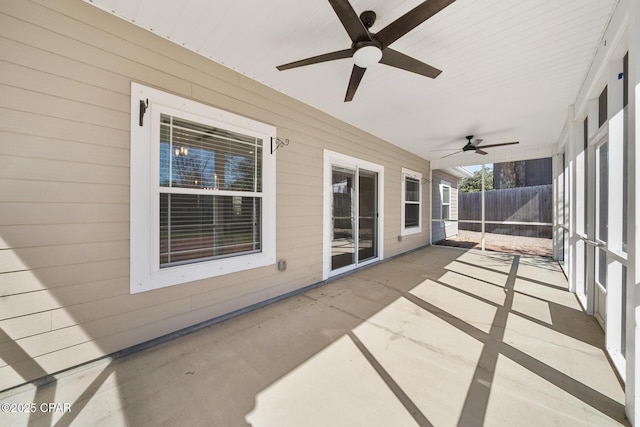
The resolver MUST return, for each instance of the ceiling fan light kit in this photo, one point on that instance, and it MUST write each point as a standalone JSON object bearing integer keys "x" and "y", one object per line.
{"x": 367, "y": 55}
{"x": 368, "y": 49}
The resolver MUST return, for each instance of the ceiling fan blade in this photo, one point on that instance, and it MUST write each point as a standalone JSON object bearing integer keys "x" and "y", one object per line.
{"x": 350, "y": 20}
{"x": 452, "y": 154}
{"x": 477, "y": 142}
{"x": 410, "y": 20}
{"x": 499, "y": 145}
{"x": 399, "y": 60}
{"x": 479, "y": 151}
{"x": 340, "y": 54}
{"x": 356, "y": 75}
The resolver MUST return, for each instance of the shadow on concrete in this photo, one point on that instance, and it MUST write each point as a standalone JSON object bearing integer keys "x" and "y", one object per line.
{"x": 438, "y": 336}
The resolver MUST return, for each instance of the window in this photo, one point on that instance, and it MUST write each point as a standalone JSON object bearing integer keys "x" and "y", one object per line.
{"x": 411, "y": 202}
{"x": 445, "y": 198}
{"x": 202, "y": 192}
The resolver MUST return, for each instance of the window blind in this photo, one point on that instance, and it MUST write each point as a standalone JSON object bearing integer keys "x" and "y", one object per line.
{"x": 210, "y": 192}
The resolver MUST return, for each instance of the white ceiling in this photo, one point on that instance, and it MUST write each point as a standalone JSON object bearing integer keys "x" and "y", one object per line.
{"x": 510, "y": 68}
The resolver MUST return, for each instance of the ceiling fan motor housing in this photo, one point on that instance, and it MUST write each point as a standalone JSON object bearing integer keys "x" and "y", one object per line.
{"x": 469, "y": 146}
{"x": 368, "y": 18}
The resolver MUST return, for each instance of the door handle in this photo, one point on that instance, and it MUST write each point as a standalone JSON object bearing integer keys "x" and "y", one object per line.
{"x": 593, "y": 243}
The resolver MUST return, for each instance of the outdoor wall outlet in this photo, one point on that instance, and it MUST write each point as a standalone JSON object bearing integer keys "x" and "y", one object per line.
{"x": 399, "y": 238}
{"x": 282, "y": 265}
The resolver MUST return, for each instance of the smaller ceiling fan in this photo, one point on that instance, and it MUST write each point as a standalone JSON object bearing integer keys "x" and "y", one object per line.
{"x": 475, "y": 146}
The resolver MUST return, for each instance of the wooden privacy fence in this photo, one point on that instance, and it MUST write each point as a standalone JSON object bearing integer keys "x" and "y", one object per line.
{"x": 524, "y": 211}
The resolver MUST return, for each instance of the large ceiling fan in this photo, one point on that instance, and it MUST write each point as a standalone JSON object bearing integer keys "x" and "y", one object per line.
{"x": 368, "y": 48}
{"x": 475, "y": 146}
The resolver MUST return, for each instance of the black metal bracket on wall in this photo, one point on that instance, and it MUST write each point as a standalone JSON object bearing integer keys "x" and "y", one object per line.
{"x": 278, "y": 143}
{"x": 143, "y": 109}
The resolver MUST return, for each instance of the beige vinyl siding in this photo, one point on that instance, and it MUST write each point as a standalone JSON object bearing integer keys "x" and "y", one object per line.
{"x": 64, "y": 186}
{"x": 444, "y": 229}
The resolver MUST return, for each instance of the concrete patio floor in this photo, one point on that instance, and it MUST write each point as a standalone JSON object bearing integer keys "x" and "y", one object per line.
{"x": 440, "y": 336}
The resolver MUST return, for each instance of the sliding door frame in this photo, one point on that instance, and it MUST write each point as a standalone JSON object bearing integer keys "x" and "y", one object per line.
{"x": 332, "y": 158}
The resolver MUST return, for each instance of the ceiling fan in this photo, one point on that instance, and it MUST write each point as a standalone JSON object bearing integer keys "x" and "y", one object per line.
{"x": 368, "y": 48}
{"x": 475, "y": 146}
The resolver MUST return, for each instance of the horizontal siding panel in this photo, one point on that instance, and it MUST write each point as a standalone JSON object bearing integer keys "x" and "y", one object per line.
{"x": 29, "y": 123}
{"x": 295, "y": 282}
{"x": 12, "y": 213}
{"x": 40, "y": 257}
{"x": 301, "y": 152}
{"x": 300, "y": 248}
{"x": 293, "y": 219}
{"x": 301, "y": 254}
{"x": 228, "y": 293}
{"x": 61, "y": 171}
{"x": 50, "y": 84}
{"x": 24, "y": 326}
{"x": 265, "y": 109}
{"x": 20, "y": 145}
{"x": 66, "y": 296}
{"x": 302, "y": 233}
{"x": 310, "y": 203}
{"x": 31, "y": 347}
{"x": 52, "y": 106}
{"x": 291, "y": 188}
{"x": 112, "y": 41}
{"x": 36, "y": 36}
{"x": 286, "y": 182}
{"x": 38, "y": 59}
{"x": 107, "y": 308}
{"x": 54, "y": 277}
{"x": 102, "y": 22}
{"x": 311, "y": 173}
{"x": 291, "y": 167}
{"x": 21, "y": 236}
{"x": 95, "y": 308}
{"x": 39, "y": 194}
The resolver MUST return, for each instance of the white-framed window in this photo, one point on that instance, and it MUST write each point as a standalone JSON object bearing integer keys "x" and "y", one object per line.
{"x": 445, "y": 199}
{"x": 202, "y": 191}
{"x": 411, "y": 215}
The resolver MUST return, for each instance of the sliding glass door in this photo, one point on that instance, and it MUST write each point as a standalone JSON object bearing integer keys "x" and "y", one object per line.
{"x": 354, "y": 216}
{"x": 343, "y": 244}
{"x": 367, "y": 215}
{"x": 352, "y": 213}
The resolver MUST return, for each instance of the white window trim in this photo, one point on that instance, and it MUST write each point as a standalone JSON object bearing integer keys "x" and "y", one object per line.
{"x": 145, "y": 273}
{"x": 404, "y": 231}
{"x": 442, "y": 185}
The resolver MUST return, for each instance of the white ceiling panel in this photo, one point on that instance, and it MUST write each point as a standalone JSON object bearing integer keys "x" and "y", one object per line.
{"x": 510, "y": 68}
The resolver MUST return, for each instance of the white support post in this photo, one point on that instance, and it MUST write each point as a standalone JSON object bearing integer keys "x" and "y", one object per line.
{"x": 632, "y": 408}
{"x": 616, "y": 154}
{"x": 483, "y": 218}
{"x": 576, "y": 274}
{"x": 430, "y": 207}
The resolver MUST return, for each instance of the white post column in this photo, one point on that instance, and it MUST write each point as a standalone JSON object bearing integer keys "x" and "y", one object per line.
{"x": 483, "y": 207}
{"x": 633, "y": 233}
{"x": 576, "y": 274}
{"x": 430, "y": 207}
